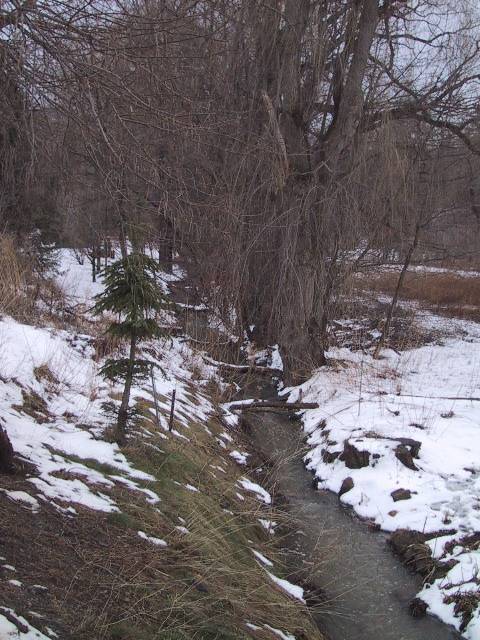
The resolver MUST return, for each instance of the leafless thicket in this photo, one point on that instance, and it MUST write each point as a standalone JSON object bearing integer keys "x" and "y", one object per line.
{"x": 278, "y": 146}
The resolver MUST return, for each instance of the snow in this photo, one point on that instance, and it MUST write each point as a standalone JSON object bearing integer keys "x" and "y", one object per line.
{"x": 269, "y": 525}
{"x": 156, "y": 541}
{"x": 8, "y": 630}
{"x": 75, "y": 279}
{"x": 182, "y": 529}
{"x": 292, "y": 589}
{"x": 279, "y": 633}
{"x": 421, "y": 268}
{"x": 276, "y": 632}
{"x": 262, "y": 558}
{"x": 73, "y": 395}
{"x": 428, "y": 394}
{"x": 22, "y": 497}
{"x": 276, "y": 361}
{"x": 260, "y": 492}
{"x": 241, "y": 458}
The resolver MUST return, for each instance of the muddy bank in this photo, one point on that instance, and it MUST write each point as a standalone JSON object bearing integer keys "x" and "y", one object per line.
{"x": 368, "y": 591}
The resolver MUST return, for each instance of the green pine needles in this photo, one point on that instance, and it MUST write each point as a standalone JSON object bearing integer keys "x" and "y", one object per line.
{"x": 132, "y": 292}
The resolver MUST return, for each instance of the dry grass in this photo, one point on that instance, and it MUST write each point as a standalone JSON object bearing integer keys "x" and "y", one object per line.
{"x": 25, "y": 294}
{"x": 104, "y": 582}
{"x": 445, "y": 293}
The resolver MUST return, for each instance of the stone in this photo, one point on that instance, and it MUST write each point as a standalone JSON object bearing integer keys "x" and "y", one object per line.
{"x": 418, "y": 608}
{"x": 417, "y": 555}
{"x": 405, "y": 456}
{"x": 353, "y": 457}
{"x": 401, "y": 539}
{"x": 328, "y": 456}
{"x": 347, "y": 485}
{"x": 401, "y": 494}
{"x": 413, "y": 445}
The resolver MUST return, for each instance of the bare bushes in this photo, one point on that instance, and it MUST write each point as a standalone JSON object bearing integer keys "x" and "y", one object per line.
{"x": 27, "y": 290}
{"x": 12, "y": 277}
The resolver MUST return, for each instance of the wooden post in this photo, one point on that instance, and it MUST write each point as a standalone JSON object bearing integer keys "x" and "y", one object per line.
{"x": 155, "y": 396}
{"x": 172, "y": 410}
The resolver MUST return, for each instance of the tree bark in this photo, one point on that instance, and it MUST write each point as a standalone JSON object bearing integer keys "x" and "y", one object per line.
{"x": 350, "y": 105}
{"x": 93, "y": 263}
{"x": 121, "y": 429}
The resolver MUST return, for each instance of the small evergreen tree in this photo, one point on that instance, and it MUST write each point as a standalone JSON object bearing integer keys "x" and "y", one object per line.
{"x": 132, "y": 292}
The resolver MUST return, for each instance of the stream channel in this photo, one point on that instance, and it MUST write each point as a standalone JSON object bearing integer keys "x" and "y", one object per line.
{"x": 367, "y": 589}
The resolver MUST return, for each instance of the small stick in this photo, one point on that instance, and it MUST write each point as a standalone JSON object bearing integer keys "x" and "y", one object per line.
{"x": 155, "y": 397}
{"x": 360, "y": 388}
{"x": 172, "y": 410}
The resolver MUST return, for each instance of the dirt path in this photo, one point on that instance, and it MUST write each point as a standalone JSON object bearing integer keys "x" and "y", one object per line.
{"x": 368, "y": 589}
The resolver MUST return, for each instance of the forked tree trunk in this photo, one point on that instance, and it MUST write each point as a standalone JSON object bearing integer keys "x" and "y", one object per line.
{"x": 398, "y": 288}
{"x": 121, "y": 429}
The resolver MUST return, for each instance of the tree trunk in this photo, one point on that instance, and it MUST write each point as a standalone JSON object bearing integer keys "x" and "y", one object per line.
{"x": 336, "y": 148}
{"x": 123, "y": 245}
{"x": 94, "y": 271}
{"x": 121, "y": 430}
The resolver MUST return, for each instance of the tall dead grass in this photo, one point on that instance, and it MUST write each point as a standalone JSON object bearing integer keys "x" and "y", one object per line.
{"x": 444, "y": 292}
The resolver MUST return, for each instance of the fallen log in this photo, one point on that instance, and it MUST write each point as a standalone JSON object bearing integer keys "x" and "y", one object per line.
{"x": 261, "y": 406}
{"x": 244, "y": 368}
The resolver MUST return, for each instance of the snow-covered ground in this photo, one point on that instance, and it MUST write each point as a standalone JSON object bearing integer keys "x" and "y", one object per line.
{"x": 75, "y": 276}
{"x": 416, "y": 417}
{"x": 53, "y": 375}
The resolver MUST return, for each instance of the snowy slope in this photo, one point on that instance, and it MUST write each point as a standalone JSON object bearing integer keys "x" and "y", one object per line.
{"x": 51, "y": 397}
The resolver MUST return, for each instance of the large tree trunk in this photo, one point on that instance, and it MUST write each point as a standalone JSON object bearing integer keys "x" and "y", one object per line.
{"x": 338, "y": 145}
{"x": 121, "y": 429}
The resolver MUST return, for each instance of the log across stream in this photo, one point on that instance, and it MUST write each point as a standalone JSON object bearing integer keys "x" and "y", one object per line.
{"x": 367, "y": 589}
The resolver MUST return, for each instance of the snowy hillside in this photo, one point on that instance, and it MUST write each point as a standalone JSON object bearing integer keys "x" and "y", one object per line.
{"x": 167, "y": 518}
